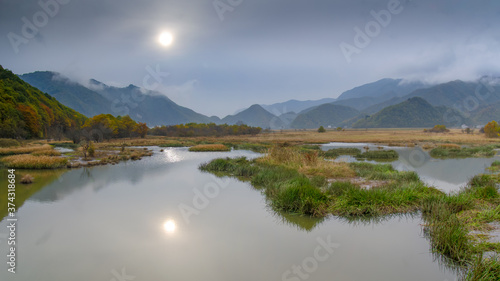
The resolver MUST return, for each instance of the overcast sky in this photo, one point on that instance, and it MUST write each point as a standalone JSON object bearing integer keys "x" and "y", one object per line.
{"x": 252, "y": 51}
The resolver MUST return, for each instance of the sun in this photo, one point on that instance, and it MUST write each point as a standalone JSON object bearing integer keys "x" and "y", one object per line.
{"x": 166, "y": 39}
{"x": 169, "y": 226}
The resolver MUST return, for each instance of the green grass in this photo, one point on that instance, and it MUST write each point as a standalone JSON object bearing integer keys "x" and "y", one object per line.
{"x": 382, "y": 172}
{"x": 336, "y": 152}
{"x": 496, "y": 163}
{"x": 379, "y": 154}
{"x": 68, "y": 145}
{"x": 255, "y": 147}
{"x": 9, "y": 143}
{"x": 465, "y": 152}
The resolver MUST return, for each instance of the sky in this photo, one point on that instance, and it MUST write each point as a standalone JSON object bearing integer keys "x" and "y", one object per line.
{"x": 229, "y": 54}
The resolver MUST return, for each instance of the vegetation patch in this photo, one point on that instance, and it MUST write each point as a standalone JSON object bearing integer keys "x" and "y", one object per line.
{"x": 9, "y": 143}
{"x": 26, "y": 161}
{"x": 454, "y": 151}
{"x": 379, "y": 154}
{"x": 24, "y": 149}
{"x": 209, "y": 148}
{"x": 336, "y": 152}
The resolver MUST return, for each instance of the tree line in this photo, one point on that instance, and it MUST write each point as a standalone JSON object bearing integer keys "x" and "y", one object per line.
{"x": 210, "y": 129}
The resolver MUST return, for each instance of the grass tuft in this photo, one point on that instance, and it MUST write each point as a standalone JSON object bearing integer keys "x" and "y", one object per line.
{"x": 209, "y": 148}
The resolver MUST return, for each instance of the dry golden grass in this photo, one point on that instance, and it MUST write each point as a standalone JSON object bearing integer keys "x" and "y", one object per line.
{"x": 209, "y": 147}
{"x": 25, "y": 149}
{"x": 47, "y": 152}
{"x": 307, "y": 163}
{"x": 450, "y": 146}
{"x": 27, "y": 161}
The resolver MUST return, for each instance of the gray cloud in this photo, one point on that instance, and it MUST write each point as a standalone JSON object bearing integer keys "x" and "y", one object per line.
{"x": 263, "y": 51}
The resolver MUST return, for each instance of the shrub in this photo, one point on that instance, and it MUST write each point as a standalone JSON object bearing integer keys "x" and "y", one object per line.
{"x": 321, "y": 129}
{"x": 91, "y": 149}
{"x": 438, "y": 129}
{"x": 492, "y": 130}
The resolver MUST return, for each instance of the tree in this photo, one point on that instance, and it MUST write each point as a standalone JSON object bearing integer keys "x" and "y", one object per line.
{"x": 321, "y": 129}
{"x": 142, "y": 129}
{"x": 492, "y": 130}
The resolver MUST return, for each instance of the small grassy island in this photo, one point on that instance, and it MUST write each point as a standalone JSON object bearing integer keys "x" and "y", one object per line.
{"x": 300, "y": 180}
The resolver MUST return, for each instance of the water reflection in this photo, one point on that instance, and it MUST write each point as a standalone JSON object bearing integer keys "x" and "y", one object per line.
{"x": 447, "y": 175}
{"x": 299, "y": 222}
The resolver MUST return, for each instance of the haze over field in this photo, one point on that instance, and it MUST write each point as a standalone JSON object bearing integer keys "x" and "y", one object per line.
{"x": 222, "y": 56}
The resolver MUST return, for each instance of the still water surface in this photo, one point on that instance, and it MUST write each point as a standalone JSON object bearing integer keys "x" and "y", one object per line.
{"x": 447, "y": 175}
{"x": 110, "y": 222}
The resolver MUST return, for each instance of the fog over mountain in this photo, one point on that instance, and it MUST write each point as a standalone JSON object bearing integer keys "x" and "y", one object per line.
{"x": 254, "y": 52}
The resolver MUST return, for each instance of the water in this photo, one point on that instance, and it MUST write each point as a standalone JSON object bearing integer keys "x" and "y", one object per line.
{"x": 107, "y": 223}
{"x": 447, "y": 175}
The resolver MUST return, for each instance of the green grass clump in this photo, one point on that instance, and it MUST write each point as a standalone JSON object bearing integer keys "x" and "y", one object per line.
{"x": 336, "y": 152}
{"x": 339, "y": 188}
{"x": 379, "y": 154}
{"x": 382, "y": 172}
{"x": 255, "y": 147}
{"x": 496, "y": 163}
{"x": 299, "y": 196}
{"x": 354, "y": 201}
{"x": 9, "y": 143}
{"x": 172, "y": 144}
{"x": 484, "y": 269}
{"x": 454, "y": 152}
{"x": 68, "y": 145}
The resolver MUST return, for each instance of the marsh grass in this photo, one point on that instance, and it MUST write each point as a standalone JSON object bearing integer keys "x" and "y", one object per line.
{"x": 336, "y": 152}
{"x": 209, "y": 148}
{"x": 47, "y": 152}
{"x": 24, "y": 149}
{"x": 379, "y": 154}
{"x": 455, "y": 151}
{"x": 26, "y": 161}
{"x": 9, "y": 143}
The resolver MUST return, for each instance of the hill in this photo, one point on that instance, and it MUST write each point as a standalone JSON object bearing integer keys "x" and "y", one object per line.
{"x": 324, "y": 115}
{"x": 412, "y": 113}
{"x": 255, "y": 116}
{"x": 383, "y": 89}
{"x": 69, "y": 93}
{"x": 27, "y": 112}
{"x": 294, "y": 105}
{"x": 150, "y": 107}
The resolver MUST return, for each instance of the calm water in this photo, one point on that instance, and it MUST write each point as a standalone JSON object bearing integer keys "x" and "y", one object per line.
{"x": 108, "y": 223}
{"x": 448, "y": 174}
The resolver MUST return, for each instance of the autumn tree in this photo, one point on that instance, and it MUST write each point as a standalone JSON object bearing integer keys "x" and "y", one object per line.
{"x": 492, "y": 130}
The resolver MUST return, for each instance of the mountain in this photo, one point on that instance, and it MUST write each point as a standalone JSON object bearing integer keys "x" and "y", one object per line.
{"x": 383, "y": 89}
{"x": 288, "y": 118}
{"x": 69, "y": 93}
{"x": 150, "y": 107}
{"x": 294, "y": 105}
{"x": 255, "y": 116}
{"x": 358, "y": 103}
{"x": 324, "y": 115}
{"x": 142, "y": 105}
{"x": 27, "y": 112}
{"x": 483, "y": 115}
{"x": 412, "y": 113}
{"x": 460, "y": 94}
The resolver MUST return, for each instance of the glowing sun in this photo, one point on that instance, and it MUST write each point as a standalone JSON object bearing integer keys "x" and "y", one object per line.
{"x": 169, "y": 226}
{"x": 166, "y": 39}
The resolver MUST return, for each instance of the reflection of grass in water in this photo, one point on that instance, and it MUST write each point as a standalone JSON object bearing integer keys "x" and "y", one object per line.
{"x": 301, "y": 222}
{"x": 23, "y": 192}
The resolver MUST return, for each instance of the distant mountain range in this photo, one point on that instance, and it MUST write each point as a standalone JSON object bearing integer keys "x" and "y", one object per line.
{"x": 412, "y": 113}
{"x": 377, "y": 104}
{"x": 142, "y": 105}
